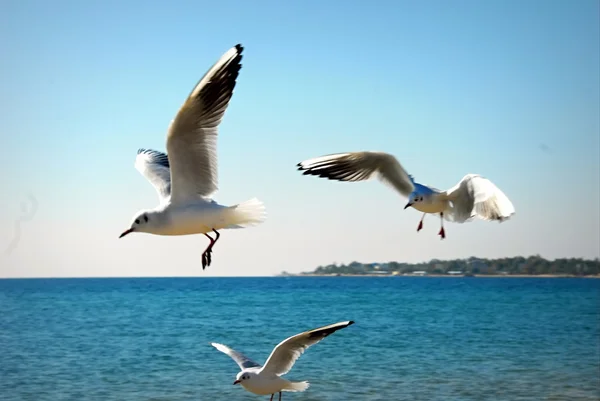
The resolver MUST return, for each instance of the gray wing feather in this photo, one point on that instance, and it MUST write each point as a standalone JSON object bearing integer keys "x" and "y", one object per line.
{"x": 243, "y": 361}
{"x": 360, "y": 166}
{"x": 154, "y": 165}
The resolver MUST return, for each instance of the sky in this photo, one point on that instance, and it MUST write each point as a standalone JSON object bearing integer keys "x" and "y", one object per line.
{"x": 506, "y": 89}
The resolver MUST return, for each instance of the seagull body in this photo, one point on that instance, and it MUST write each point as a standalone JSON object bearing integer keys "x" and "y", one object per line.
{"x": 263, "y": 385}
{"x": 265, "y": 380}
{"x": 473, "y": 196}
{"x": 186, "y": 178}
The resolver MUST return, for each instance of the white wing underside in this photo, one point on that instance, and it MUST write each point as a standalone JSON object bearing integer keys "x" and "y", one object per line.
{"x": 286, "y": 353}
{"x": 361, "y": 166}
{"x": 476, "y": 196}
{"x": 192, "y": 135}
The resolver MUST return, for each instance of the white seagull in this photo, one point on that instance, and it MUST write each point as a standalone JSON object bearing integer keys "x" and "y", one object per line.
{"x": 473, "y": 196}
{"x": 265, "y": 380}
{"x": 186, "y": 179}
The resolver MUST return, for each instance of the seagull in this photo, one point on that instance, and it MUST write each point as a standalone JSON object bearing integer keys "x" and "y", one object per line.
{"x": 265, "y": 380}
{"x": 473, "y": 196}
{"x": 186, "y": 178}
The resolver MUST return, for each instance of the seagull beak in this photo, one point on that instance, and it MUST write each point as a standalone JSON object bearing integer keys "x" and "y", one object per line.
{"x": 126, "y": 232}
{"x": 236, "y": 382}
{"x": 407, "y": 205}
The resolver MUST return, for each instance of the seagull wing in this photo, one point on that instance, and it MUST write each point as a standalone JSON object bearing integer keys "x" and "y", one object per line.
{"x": 360, "y": 166}
{"x": 476, "y": 196}
{"x": 154, "y": 165}
{"x": 192, "y": 135}
{"x": 242, "y": 360}
{"x": 289, "y": 350}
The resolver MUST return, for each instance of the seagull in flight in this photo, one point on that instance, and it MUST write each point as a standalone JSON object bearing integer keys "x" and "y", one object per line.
{"x": 186, "y": 178}
{"x": 473, "y": 196}
{"x": 265, "y": 380}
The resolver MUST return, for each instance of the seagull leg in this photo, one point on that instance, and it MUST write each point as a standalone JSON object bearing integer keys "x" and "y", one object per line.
{"x": 420, "y": 226}
{"x": 442, "y": 233}
{"x": 280, "y": 396}
{"x": 272, "y": 395}
{"x": 218, "y": 235}
{"x": 206, "y": 256}
{"x": 213, "y": 244}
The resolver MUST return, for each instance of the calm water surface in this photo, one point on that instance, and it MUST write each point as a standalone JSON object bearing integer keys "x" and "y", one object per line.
{"x": 445, "y": 339}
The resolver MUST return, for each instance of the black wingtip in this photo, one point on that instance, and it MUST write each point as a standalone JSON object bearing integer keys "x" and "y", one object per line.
{"x": 327, "y": 330}
{"x": 155, "y": 157}
{"x": 239, "y": 49}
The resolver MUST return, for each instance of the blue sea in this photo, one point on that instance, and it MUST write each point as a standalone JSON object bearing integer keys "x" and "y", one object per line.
{"x": 415, "y": 338}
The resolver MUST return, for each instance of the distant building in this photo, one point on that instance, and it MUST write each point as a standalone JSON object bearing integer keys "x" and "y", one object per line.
{"x": 455, "y": 272}
{"x": 419, "y": 273}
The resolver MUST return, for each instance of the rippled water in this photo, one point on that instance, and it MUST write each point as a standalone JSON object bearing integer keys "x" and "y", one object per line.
{"x": 431, "y": 339}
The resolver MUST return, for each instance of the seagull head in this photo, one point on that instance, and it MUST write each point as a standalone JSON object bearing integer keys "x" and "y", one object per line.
{"x": 241, "y": 377}
{"x": 414, "y": 198}
{"x": 143, "y": 222}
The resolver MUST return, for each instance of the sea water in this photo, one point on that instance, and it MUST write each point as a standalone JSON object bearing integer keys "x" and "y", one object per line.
{"x": 415, "y": 338}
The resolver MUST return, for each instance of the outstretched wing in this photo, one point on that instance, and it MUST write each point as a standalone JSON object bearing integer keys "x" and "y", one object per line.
{"x": 242, "y": 360}
{"x": 360, "y": 166}
{"x": 289, "y": 350}
{"x": 192, "y": 135}
{"x": 154, "y": 165}
{"x": 476, "y": 196}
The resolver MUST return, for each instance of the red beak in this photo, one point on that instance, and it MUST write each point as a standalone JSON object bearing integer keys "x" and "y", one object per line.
{"x": 236, "y": 382}
{"x": 126, "y": 232}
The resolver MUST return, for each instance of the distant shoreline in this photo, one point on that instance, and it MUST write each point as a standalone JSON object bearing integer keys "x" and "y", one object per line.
{"x": 516, "y": 267}
{"x": 444, "y": 275}
{"x": 280, "y": 275}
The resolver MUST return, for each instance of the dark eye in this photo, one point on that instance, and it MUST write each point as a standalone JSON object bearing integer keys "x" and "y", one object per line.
{"x": 137, "y": 221}
{"x": 145, "y": 218}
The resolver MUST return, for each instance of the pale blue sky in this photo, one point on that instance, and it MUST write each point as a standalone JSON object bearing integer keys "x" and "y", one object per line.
{"x": 507, "y": 89}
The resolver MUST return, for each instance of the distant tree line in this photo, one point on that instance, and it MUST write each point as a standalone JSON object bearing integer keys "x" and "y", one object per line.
{"x": 532, "y": 265}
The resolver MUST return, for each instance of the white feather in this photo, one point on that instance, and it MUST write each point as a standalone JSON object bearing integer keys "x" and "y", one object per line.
{"x": 476, "y": 196}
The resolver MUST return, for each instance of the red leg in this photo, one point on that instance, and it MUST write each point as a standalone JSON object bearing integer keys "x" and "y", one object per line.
{"x": 206, "y": 256}
{"x": 442, "y": 233}
{"x": 206, "y": 259}
{"x": 420, "y": 226}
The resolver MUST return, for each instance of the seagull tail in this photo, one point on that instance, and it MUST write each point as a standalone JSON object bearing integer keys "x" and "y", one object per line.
{"x": 296, "y": 386}
{"x": 248, "y": 213}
